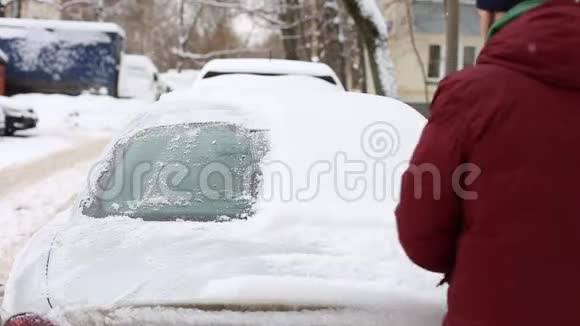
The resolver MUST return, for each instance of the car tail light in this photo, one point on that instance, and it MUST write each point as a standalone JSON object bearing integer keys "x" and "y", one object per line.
{"x": 28, "y": 320}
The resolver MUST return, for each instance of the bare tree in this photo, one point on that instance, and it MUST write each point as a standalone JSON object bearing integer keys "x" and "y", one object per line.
{"x": 186, "y": 30}
{"x": 411, "y": 26}
{"x": 289, "y": 14}
{"x": 373, "y": 31}
{"x": 333, "y": 38}
{"x": 362, "y": 60}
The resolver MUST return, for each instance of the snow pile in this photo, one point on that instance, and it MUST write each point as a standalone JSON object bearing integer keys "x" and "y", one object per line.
{"x": 179, "y": 80}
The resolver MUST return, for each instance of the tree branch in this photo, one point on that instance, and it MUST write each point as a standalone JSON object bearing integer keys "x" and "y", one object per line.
{"x": 215, "y": 54}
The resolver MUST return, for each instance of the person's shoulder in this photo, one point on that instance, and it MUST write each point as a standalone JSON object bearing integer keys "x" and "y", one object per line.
{"x": 466, "y": 101}
{"x": 471, "y": 80}
{"x": 466, "y": 90}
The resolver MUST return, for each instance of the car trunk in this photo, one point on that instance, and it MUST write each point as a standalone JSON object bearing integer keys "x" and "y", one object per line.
{"x": 237, "y": 315}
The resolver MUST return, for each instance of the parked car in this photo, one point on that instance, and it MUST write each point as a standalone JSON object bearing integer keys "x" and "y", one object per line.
{"x": 269, "y": 67}
{"x": 56, "y": 56}
{"x": 139, "y": 78}
{"x": 254, "y": 88}
{"x": 18, "y": 117}
{"x": 176, "y": 227}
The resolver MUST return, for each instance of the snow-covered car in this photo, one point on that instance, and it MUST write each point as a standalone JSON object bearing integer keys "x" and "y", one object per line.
{"x": 139, "y": 78}
{"x": 18, "y": 117}
{"x": 256, "y": 89}
{"x": 236, "y": 212}
{"x": 269, "y": 67}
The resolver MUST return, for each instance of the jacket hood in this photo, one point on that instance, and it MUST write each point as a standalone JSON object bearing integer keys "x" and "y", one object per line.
{"x": 544, "y": 44}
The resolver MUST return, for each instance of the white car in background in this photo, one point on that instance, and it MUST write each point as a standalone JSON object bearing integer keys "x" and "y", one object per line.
{"x": 184, "y": 221}
{"x": 139, "y": 78}
{"x": 269, "y": 67}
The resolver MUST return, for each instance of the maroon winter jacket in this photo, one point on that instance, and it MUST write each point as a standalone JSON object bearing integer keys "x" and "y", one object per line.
{"x": 512, "y": 255}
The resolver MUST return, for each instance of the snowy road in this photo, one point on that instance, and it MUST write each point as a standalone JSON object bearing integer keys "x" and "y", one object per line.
{"x": 41, "y": 170}
{"x": 16, "y": 177}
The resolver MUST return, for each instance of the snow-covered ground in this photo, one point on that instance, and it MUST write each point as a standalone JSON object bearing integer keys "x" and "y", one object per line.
{"x": 23, "y": 212}
{"x": 42, "y": 169}
{"x": 65, "y": 122}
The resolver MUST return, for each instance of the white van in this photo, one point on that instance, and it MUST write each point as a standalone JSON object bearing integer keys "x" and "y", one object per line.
{"x": 139, "y": 78}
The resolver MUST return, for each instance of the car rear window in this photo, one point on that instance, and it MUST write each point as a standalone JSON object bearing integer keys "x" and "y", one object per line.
{"x": 211, "y": 74}
{"x": 195, "y": 172}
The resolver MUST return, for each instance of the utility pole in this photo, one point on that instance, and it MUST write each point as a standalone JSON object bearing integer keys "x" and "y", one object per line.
{"x": 18, "y": 8}
{"x": 452, "y": 13}
{"x": 100, "y": 10}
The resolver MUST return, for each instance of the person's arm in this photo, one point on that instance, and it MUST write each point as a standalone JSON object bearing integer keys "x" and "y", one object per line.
{"x": 429, "y": 212}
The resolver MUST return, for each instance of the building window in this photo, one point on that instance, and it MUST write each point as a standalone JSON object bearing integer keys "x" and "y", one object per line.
{"x": 434, "y": 61}
{"x": 468, "y": 56}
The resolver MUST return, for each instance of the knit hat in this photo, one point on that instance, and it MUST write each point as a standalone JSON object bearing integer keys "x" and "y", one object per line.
{"x": 496, "y": 5}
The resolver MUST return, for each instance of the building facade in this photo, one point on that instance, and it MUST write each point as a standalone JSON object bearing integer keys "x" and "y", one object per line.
{"x": 417, "y": 42}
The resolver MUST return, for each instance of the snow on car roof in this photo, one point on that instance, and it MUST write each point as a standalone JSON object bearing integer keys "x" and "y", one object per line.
{"x": 241, "y": 84}
{"x": 272, "y": 66}
{"x": 62, "y": 25}
{"x": 242, "y": 99}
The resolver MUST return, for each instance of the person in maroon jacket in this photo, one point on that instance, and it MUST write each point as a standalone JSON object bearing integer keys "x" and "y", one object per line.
{"x": 501, "y": 217}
